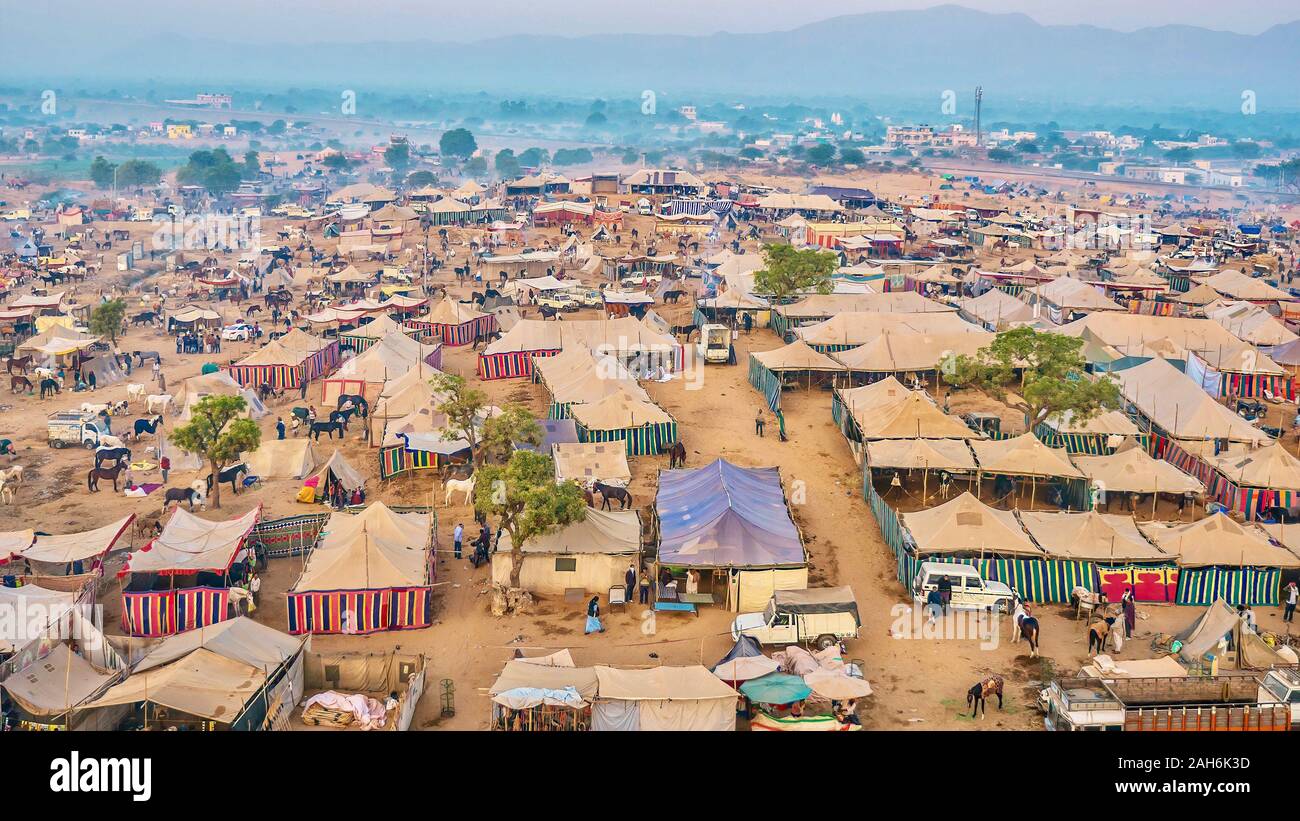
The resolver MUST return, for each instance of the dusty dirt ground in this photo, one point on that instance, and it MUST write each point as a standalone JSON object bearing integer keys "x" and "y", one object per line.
{"x": 919, "y": 683}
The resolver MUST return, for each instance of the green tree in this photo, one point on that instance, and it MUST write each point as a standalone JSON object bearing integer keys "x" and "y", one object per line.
{"x": 506, "y": 164}
{"x": 513, "y": 425}
{"x": 419, "y": 179}
{"x": 596, "y": 119}
{"x": 1180, "y": 154}
{"x": 219, "y": 432}
{"x": 222, "y": 179}
{"x": 138, "y": 173}
{"x": 1052, "y": 377}
{"x": 398, "y": 156}
{"x": 106, "y": 319}
{"x": 528, "y": 502}
{"x": 791, "y": 271}
{"x": 458, "y": 142}
{"x": 466, "y": 409}
{"x": 534, "y": 157}
{"x": 336, "y": 162}
{"x": 252, "y": 165}
{"x": 749, "y": 153}
{"x": 477, "y": 166}
{"x": 820, "y": 154}
{"x": 572, "y": 156}
{"x": 852, "y": 156}
{"x": 1000, "y": 155}
{"x": 101, "y": 172}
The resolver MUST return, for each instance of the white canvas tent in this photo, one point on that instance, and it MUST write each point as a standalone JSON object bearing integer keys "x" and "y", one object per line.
{"x": 281, "y": 459}
{"x": 663, "y": 698}
{"x": 592, "y": 554}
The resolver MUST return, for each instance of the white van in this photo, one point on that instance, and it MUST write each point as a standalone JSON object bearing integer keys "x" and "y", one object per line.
{"x": 969, "y": 590}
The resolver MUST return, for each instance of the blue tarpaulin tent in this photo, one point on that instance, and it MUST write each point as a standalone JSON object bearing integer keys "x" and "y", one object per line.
{"x": 725, "y": 516}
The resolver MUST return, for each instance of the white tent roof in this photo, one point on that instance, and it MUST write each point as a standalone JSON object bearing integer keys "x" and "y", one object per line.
{"x": 189, "y": 544}
{"x": 374, "y": 549}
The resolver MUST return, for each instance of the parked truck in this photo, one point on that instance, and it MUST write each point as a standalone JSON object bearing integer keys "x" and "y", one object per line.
{"x": 1225, "y": 703}
{"x": 74, "y": 428}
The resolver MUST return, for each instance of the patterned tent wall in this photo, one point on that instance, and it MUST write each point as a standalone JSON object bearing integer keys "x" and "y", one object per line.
{"x": 1091, "y": 444}
{"x": 153, "y": 613}
{"x": 559, "y": 410}
{"x": 1252, "y": 385}
{"x": 371, "y": 611}
{"x": 455, "y": 335}
{"x": 280, "y": 377}
{"x": 1234, "y": 497}
{"x": 1036, "y": 580}
{"x": 510, "y": 365}
{"x": 322, "y": 362}
{"x": 283, "y": 377}
{"x": 644, "y": 440}
{"x": 291, "y": 536}
{"x": 395, "y": 460}
{"x": 1236, "y": 585}
{"x": 766, "y": 382}
{"x": 891, "y": 530}
{"x": 1150, "y": 582}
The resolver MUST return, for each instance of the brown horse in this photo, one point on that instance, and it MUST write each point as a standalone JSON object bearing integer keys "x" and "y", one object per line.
{"x": 22, "y": 363}
{"x": 18, "y": 383}
{"x": 978, "y": 695}
{"x": 95, "y": 474}
{"x": 677, "y": 456}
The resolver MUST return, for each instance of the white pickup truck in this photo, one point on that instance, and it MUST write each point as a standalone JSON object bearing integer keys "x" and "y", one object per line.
{"x": 822, "y": 616}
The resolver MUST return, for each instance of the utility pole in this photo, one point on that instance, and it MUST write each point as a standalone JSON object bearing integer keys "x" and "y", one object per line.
{"x": 979, "y": 104}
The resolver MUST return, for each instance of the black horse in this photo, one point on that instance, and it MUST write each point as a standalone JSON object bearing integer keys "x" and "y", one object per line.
{"x": 144, "y": 318}
{"x": 231, "y": 475}
{"x": 360, "y": 405}
{"x": 317, "y": 428}
{"x": 266, "y": 391}
{"x": 180, "y": 494}
{"x": 608, "y": 492}
{"x": 116, "y": 455}
{"x": 49, "y": 387}
{"x": 149, "y": 426}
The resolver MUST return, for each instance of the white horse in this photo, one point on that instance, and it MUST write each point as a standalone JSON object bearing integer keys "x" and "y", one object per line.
{"x": 14, "y": 475}
{"x": 465, "y": 486}
{"x": 158, "y": 402}
{"x": 93, "y": 407}
{"x": 6, "y": 493}
{"x": 135, "y": 392}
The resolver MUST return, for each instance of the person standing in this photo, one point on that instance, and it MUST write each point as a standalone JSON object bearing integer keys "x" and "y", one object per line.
{"x": 945, "y": 592}
{"x": 593, "y": 617}
{"x": 629, "y": 582}
{"x": 1129, "y": 605}
{"x": 165, "y": 465}
{"x": 157, "y": 369}
{"x": 162, "y": 380}
{"x": 1292, "y": 594}
{"x": 758, "y": 423}
{"x": 645, "y": 587}
{"x": 456, "y": 536}
{"x": 279, "y": 427}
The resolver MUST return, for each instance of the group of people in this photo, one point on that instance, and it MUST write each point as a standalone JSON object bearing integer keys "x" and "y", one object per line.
{"x": 207, "y": 342}
{"x": 482, "y": 544}
{"x": 1102, "y": 626}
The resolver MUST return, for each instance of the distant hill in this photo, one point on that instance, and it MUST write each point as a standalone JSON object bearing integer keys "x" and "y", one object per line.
{"x": 875, "y": 55}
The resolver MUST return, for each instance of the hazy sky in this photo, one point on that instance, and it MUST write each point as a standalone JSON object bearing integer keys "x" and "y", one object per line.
{"x": 76, "y": 21}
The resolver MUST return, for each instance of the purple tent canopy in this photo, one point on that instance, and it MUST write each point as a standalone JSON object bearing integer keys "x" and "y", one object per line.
{"x": 722, "y": 515}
